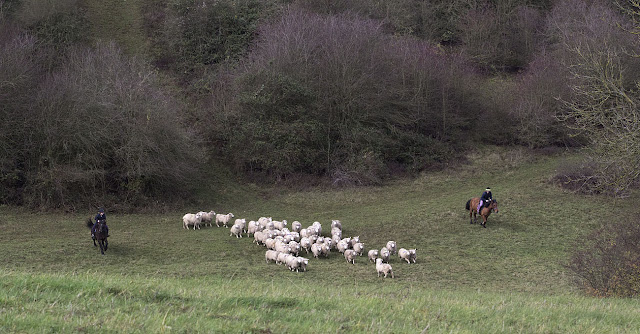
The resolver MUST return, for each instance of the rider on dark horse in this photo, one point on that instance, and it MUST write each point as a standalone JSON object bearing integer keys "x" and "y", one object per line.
{"x": 485, "y": 199}
{"x": 100, "y": 216}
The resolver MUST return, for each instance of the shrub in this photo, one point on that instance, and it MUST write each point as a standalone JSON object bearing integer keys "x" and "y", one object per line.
{"x": 103, "y": 132}
{"x": 331, "y": 94}
{"x": 607, "y": 262}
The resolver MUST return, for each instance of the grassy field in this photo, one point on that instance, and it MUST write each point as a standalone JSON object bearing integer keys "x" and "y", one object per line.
{"x": 158, "y": 277}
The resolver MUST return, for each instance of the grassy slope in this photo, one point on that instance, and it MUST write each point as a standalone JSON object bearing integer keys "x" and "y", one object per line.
{"x": 508, "y": 277}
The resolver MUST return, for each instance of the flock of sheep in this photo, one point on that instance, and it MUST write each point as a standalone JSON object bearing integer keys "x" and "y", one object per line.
{"x": 284, "y": 245}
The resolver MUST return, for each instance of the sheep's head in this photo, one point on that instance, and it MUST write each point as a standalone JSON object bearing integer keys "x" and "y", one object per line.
{"x": 378, "y": 261}
{"x": 231, "y": 215}
{"x": 198, "y": 215}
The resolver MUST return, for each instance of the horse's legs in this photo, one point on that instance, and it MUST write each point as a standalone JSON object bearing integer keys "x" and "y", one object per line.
{"x": 106, "y": 244}
{"x": 101, "y": 242}
{"x": 94, "y": 242}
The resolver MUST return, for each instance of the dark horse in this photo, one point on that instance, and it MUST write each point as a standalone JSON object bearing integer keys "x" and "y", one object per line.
{"x": 485, "y": 210}
{"x": 100, "y": 234}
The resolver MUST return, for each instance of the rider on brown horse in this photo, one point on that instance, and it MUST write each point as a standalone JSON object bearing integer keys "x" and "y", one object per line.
{"x": 485, "y": 199}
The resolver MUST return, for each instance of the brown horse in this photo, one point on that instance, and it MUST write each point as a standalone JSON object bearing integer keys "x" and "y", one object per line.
{"x": 100, "y": 234}
{"x": 485, "y": 211}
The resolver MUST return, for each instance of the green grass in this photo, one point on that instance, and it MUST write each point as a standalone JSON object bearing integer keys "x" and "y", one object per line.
{"x": 158, "y": 277}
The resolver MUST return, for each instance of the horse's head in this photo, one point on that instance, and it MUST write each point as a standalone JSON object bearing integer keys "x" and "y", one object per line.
{"x": 494, "y": 205}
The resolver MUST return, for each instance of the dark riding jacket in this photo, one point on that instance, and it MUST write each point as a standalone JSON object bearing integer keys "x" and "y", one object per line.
{"x": 486, "y": 197}
{"x": 99, "y": 216}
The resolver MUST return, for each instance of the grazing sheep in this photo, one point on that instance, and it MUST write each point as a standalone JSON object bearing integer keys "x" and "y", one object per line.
{"x": 383, "y": 268}
{"x": 271, "y": 255}
{"x": 296, "y": 226}
{"x": 224, "y": 219}
{"x": 373, "y": 255}
{"x": 391, "y": 246}
{"x": 191, "y": 219}
{"x": 407, "y": 255}
{"x": 350, "y": 255}
{"x": 336, "y": 232}
{"x": 207, "y": 217}
{"x": 270, "y": 226}
{"x": 236, "y": 230}
{"x": 242, "y": 223}
{"x": 318, "y": 227}
{"x": 359, "y": 248}
{"x": 385, "y": 255}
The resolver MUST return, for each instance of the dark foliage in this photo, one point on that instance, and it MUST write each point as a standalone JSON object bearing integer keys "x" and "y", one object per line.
{"x": 607, "y": 262}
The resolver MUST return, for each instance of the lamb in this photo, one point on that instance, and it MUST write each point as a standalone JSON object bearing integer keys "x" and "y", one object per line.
{"x": 350, "y": 255}
{"x": 373, "y": 255}
{"x": 191, "y": 219}
{"x": 383, "y": 268}
{"x": 391, "y": 246}
{"x": 385, "y": 255}
{"x": 236, "y": 230}
{"x": 242, "y": 223}
{"x": 407, "y": 255}
{"x": 271, "y": 255}
{"x": 224, "y": 219}
{"x": 207, "y": 217}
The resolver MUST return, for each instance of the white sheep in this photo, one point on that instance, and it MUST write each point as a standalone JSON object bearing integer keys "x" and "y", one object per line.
{"x": 336, "y": 224}
{"x": 305, "y": 243}
{"x": 296, "y": 226}
{"x": 224, "y": 219}
{"x": 359, "y": 248}
{"x": 350, "y": 255}
{"x": 271, "y": 255}
{"x": 282, "y": 258}
{"x": 391, "y": 246}
{"x": 191, "y": 219}
{"x": 385, "y": 255}
{"x": 316, "y": 249}
{"x": 373, "y": 255}
{"x": 408, "y": 255}
{"x": 258, "y": 237}
{"x": 294, "y": 247}
{"x": 279, "y": 224}
{"x": 236, "y": 230}
{"x": 253, "y": 227}
{"x": 303, "y": 263}
{"x": 342, "y": 246}
{"x": 263, "y": 221}
{"x": 383, "y": 268}
{"x": 207, "y": 217}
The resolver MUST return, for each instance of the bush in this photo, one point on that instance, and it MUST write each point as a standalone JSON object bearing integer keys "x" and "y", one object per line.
{"x": 331, "y": 94}
{"x": 102, "y": 132}
{"x": 607, "y": 262}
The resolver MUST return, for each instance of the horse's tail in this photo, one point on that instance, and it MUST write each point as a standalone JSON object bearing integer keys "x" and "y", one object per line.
{"x": 467, "y": 205}
{"x": 89, "y": 223}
